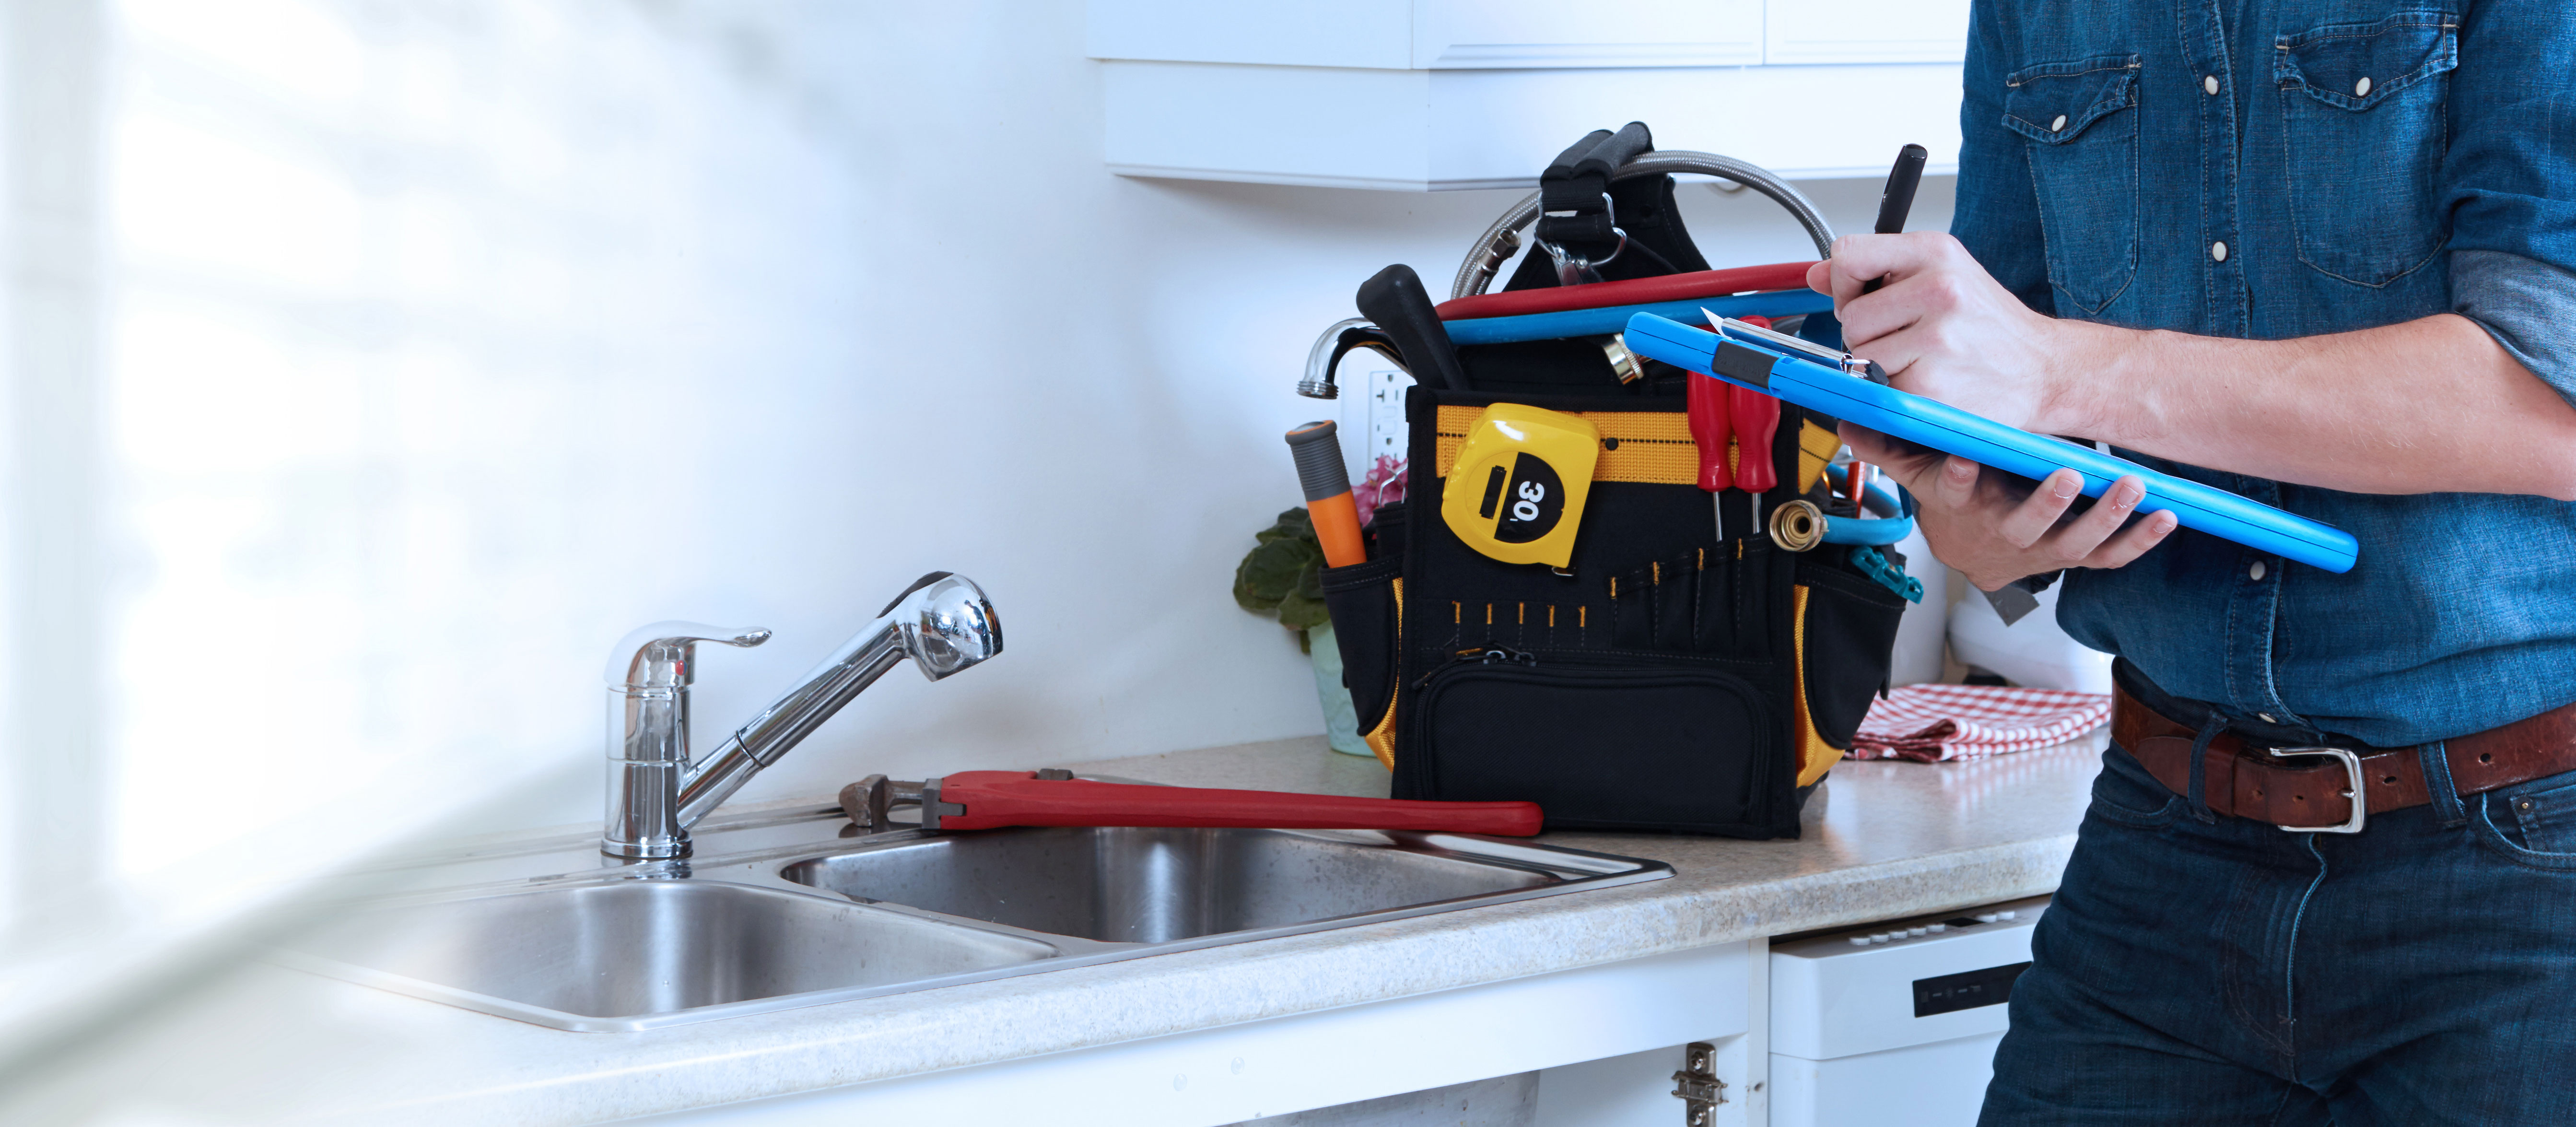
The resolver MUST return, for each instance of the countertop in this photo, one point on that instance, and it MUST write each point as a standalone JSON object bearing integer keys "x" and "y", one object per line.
{"x": 264, "y": 1044}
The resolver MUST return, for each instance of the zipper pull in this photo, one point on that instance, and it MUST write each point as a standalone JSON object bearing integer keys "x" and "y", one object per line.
{"x": 1477, "y": 655}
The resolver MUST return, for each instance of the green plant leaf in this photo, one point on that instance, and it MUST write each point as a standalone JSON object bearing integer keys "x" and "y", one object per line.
{"x": 1291, "y": 525}
{"x": 1299, "y": 611}
{"x": 1270, "y": 573}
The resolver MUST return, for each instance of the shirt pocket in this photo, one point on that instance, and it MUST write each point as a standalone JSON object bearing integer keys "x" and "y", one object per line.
{"x": 2363, "y": 136}
{"x": 2082, "y": 124}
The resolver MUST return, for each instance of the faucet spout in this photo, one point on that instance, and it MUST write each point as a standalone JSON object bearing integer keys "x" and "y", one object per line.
{"x": 649, "y": 675}
{"x": 943, "y": 623}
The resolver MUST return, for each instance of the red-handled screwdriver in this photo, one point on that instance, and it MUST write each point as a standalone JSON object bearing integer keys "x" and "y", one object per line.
{"x": 1710, "y": 427}
{"x": 1757, "y": 419}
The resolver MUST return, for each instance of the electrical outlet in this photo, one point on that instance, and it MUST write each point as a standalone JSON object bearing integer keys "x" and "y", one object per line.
{"x": 1386, "y": 428}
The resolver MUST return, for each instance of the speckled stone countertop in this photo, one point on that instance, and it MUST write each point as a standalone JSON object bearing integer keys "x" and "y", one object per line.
{"x": 263, "y": 1044}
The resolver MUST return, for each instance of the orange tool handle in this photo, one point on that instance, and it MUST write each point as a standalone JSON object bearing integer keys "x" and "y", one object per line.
{"x": 994, "y": 799}
{"x": 1329, "y": 504}
{"x": 1710, "y": 427}
{"x": 1757, "y": 419}
{"x": 1337, "y": 529}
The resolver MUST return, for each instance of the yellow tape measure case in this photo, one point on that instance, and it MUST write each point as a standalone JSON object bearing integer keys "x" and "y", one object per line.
{"x": 1517, "y": 491}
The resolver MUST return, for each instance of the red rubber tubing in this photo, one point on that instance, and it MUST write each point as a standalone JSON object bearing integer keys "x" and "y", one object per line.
{"x": 1634, "y": 291}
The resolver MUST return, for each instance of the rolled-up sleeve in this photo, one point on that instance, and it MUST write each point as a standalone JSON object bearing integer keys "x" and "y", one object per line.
{"x": 2509, "y": 182}
{"x": 2527, "y": 305}
{"x": 1997, "y": 214}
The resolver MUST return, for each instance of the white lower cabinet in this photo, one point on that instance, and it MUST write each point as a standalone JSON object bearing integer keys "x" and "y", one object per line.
{"x": 1888, "y": 1023}
{"x": 1241, "y": 1072}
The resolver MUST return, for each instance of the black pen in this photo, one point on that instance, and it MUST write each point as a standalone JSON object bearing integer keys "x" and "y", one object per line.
{"x": 1898, "y": 197}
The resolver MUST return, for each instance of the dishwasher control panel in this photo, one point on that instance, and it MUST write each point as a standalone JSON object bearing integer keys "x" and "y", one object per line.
{"x": 1900, "y": 982}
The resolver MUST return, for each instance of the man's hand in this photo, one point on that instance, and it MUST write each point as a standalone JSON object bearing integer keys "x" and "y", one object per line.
{"x": 1943, "y": 328}
{"x": 2349, "y": 411}
{"x": 1993, "y": 531}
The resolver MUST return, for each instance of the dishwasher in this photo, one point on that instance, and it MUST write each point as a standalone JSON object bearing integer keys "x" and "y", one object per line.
{"x": 1894, "y": 1022}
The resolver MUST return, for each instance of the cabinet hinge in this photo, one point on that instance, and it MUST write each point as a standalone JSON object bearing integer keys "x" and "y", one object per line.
{"x": 1697, "y": 1085}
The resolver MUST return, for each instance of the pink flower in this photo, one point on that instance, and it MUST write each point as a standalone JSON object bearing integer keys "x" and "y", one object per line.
{"x": 1385, "y": 486}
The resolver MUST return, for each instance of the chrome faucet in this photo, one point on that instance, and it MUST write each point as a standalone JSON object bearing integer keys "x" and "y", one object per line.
{"x": 656, "y": 791}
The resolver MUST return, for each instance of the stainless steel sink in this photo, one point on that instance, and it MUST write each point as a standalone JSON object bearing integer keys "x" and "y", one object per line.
{"x": 608, "y": 956}
{"x": 792, "y": 917}
{"x": 1120, "y": 885}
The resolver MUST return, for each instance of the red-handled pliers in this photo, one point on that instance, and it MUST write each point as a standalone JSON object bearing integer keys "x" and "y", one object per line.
{"x": 983, "y": 800}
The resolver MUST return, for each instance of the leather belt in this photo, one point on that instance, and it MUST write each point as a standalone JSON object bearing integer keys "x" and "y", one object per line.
{"x": 2310, "y": 789}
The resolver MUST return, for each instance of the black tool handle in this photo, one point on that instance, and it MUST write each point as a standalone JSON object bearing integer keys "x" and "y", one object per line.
{"x": 1395, "y": 300}
{"x": 1897, "y": 198}
{"x": 1562, "y": 168}
{"x": 1631, "y": 141}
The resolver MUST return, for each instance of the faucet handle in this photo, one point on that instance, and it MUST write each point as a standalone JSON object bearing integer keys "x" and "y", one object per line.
{"x": 661, "y": 655}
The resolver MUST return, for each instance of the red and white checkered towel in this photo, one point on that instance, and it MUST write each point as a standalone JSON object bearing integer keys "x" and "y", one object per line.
{"x": 1934, "y": 723}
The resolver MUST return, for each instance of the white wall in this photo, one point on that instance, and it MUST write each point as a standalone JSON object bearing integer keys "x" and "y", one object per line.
{"x": 444, "y": 349}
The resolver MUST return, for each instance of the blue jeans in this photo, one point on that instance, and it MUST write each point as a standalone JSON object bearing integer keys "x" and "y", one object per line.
{"x": 2420, "y": 972}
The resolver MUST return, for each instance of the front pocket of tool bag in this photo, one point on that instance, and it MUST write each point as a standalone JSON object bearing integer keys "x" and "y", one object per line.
{"x": 1687, "y": 749}
{"x": 1365, "y": 601}
{"x": 1846, "y": 636}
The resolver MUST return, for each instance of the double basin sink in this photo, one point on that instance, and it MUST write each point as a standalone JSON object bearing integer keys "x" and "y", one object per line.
{"x": 647, "y": 946}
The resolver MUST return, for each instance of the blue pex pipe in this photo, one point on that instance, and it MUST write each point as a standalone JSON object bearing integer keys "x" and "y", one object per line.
{"x": 1614, "y": 318}
{"x": 1883, "y": 496}
{"x": 1888, "y": 498}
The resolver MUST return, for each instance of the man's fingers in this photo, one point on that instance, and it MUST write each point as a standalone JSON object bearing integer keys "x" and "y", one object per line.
{"x": 1858, "y": 259}
{"x": 1957, "y": 484}
{"x": 1820, "y": 277}
{"x": 1910, "y": 465}
{"x": 2075, "y": 541}
{"x": 2030, "y": 520}
{"x": 2134, "y": 541}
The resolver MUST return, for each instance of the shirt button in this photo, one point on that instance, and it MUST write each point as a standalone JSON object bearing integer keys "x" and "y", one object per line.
{"x": 2255, "y": 572}
{"x": 2361, "y": 89}
{"x": 2209, "y": 83}
{"x": 2265, "y": 717}
{"x": 2218, "y": 250}
{"x": 2058, "y": 124}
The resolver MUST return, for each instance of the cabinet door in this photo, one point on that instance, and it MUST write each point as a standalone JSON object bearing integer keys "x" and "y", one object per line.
{"x": 1866, "y": 31}
{"x": 1480, "y": 34}
{"x": 1312, "y": 33}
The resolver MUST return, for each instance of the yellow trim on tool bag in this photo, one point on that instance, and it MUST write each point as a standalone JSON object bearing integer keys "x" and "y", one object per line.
{"x": 1815, "y": 756}
{"x": 1816, "y": 447}
{"x": 1652, "y": 447}
{"x": 1381, "y": 739}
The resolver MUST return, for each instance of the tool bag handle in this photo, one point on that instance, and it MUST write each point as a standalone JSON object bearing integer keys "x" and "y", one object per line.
{"x": 1502, "y": 240}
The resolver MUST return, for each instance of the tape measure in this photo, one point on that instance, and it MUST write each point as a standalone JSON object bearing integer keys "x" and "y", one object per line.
{"x": 1516, "y": 491}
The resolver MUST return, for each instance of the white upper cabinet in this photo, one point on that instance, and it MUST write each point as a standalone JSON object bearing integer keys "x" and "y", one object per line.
{"x": 1440, "y": 94}
{"x": 1865, "y": 31}
{"x": 1501, "y": 34}
{"x": 1431, "y": 34}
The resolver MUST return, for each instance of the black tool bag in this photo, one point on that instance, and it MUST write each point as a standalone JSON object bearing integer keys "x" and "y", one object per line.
{"x": 1666, "y": 680}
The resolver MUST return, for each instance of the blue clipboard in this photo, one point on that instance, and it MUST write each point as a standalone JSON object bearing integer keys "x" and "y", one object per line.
{"x": 1950, "y": 430}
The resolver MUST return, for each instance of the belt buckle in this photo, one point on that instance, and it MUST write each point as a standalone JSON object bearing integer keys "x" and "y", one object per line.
{"x": 2351, "y": 770}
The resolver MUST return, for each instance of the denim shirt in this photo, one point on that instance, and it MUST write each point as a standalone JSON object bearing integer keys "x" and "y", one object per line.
{"x": 2284, "y": 169}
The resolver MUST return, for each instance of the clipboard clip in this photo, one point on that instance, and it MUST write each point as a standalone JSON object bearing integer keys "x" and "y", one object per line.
{"x": 1843, "y": 362}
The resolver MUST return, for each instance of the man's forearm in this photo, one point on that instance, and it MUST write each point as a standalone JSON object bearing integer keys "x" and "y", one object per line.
{"x": 2427, "y": 406}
